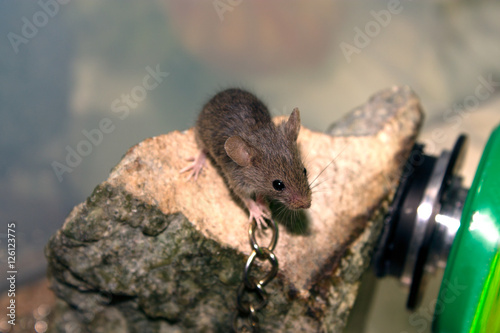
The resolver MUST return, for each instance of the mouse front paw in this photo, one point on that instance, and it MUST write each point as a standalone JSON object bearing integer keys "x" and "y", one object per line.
{"x": 259, "y": 211}
{"x": 196, "y": 166}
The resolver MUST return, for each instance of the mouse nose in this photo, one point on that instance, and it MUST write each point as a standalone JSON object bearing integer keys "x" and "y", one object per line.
{"x": 305, "y": 205}
{"x": 300, "y": 202}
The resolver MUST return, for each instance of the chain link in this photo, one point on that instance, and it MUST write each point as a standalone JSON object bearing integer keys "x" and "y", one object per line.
{"x": 247, "y": 310}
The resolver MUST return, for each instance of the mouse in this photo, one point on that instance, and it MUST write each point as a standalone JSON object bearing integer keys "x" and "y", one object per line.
{"x": 259, "y": 160}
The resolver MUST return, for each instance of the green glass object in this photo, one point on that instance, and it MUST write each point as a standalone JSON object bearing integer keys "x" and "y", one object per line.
{"x": 469, "y": 298}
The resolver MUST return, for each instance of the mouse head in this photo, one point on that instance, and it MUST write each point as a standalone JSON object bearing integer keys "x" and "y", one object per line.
{"x": 272, "y": 166}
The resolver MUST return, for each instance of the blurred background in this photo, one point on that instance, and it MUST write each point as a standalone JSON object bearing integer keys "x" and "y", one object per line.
{"x": 146, "y": 68}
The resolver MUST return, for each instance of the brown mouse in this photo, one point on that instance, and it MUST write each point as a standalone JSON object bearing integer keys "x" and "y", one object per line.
{"x": 259, "y": 159}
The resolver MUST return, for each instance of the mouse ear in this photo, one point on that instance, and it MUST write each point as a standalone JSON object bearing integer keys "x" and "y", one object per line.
{"x": 239, "y": 151}
{"x": 292, "y": 126}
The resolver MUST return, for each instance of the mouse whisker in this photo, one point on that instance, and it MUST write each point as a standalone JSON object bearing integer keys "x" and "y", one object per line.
{"x": 279, "y": 213}
{"x": 321, "y": 182}
{"x": 318, "y": 185}
{"x": 317, "y": 189}
{"x": 333, "y": 160}
{"x": 305, "y": 159}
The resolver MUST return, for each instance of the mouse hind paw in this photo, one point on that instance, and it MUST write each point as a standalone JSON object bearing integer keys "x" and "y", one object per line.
{"x": 196, "y": 166}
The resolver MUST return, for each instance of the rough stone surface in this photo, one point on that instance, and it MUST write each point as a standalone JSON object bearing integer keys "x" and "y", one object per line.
{"x": 150, "y": 252}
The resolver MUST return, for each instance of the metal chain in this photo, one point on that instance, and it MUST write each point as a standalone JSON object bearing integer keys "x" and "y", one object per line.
{"x": 247, "y": 310}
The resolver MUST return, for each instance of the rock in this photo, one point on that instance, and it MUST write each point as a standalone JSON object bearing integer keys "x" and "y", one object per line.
{"x": 150, "y": 252}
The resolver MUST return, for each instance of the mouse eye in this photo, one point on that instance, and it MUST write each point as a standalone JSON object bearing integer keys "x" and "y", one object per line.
{"x": 305, "y": 172}
{"x": 278, "y": 185}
